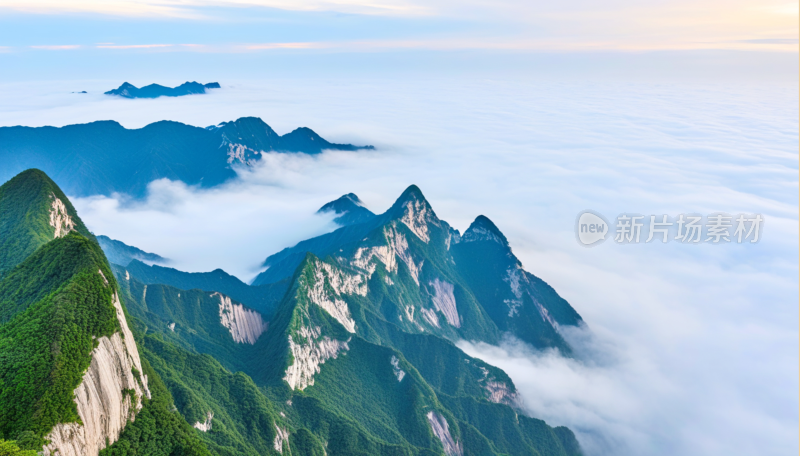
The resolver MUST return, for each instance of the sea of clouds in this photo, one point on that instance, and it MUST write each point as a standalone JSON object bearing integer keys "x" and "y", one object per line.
{"x": 688, "y": 350}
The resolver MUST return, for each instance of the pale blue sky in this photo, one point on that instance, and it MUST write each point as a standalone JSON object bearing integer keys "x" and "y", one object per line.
{"x": 87, "y": 39}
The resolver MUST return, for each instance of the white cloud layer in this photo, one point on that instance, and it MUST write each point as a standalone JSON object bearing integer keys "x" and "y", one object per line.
{"x": 693, "y": 349}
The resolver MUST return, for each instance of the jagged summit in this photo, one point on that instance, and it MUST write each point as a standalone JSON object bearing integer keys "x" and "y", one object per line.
{"x": 414, "y": 211}
{"x": 412, "y": 192}
{"x": 411, "y": 196}
{"x": 483, "y": 229}
{"x": 246, "y": 134}
{"x": 349, "y": 208}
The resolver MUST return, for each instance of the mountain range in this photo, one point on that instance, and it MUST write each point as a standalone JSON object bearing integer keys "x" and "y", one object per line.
{"x": 104, "y": 157}
{"x": 128, "y": 90}
{"x": 346, "y": 349}
{"x": 123, "y": 254}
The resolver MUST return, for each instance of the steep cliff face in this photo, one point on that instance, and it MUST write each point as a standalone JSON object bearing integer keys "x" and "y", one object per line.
{"x": 109, "y": 395}
{"x": 60, "y": 220}
{"x": 417, "y": 216}
{"x": 398, "y": 372}
{"x": 500, "y": 393}
{"x": 205, "y": 426}
{"x": 309, "y": 352}
{"x": 445, "y": 301}
{"x": 441, "y": 430}
{"x": 281, "y": 439}
{"x": 396, "y": 247}
{"x": 245, "y": 325}
{"x": 327, "y": 287}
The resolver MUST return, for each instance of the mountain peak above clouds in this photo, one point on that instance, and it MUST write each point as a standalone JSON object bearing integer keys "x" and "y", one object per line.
{"x": 414, "y": 211}
{"x": 309, "y": 141}
{"x": 411, "y": 197}
{"x": 104, "y": 157}
{"x": 245, "y": 137}
{"x": 483, "y": 229}
{"x": 349, "y": 210}
{"x": 128, "y": 90}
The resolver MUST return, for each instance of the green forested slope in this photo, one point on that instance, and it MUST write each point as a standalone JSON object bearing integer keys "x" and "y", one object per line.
{"x": 45, "y": 348}
{"x": 56, "y": 301}
{"x": 25, "y": 206}
{"x": 159, "y": 430}
{"x": 263, "y": 298}
{"x": 356, "y": 404}
{"x": 189, "y": 319}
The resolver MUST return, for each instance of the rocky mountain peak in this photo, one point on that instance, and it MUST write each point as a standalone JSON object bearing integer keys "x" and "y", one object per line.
{"x": 414, "y": 211}
{"x": 411, "y": 197}
{"x": 483, "y": 229}
{"x": 349, "y": 208}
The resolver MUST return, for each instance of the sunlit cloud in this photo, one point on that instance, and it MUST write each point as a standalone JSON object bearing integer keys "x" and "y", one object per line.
{"x": 58, "y": 47}
{"x": 192, "y": 9}
{"x": 132, "y": 46}
{"x": 557, "y": 26}
{"x": 124, "y": 8}
{"x": 267, "y": 46}
{"x": 757, "y": 44}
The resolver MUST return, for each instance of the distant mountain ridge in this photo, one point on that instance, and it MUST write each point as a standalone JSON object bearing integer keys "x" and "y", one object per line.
{"x": 104, "y": 157}
{"x": 122, "y": 254}
{"x": 349, "y": 210}
{"x": 128, "y": 90}
{"x": 264, "y": 298}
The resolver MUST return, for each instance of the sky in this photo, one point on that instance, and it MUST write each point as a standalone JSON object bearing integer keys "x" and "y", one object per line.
{"x": 157, "y": 39}
{"x": 239, "y": 25}
{"x": 526, "y": 112}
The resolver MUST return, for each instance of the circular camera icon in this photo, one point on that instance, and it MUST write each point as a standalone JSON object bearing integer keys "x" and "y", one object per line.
{"x": 591, "y": 228}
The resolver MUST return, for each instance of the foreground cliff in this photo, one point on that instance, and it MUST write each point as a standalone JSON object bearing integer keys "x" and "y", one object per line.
{"x": 110, "y": 394}
{"x": 71, "y": 374}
